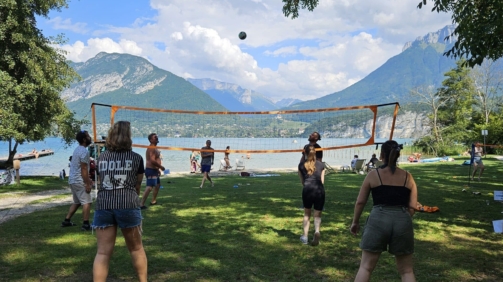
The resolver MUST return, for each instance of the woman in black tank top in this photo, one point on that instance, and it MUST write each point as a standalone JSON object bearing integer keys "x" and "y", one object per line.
{"x": 389, "y": 225}
{"x": 312, "y": 177}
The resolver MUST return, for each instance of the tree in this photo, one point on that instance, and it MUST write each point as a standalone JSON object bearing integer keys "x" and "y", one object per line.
{"x": 429, "y": 97}
{"x": 32, "y": 75}
{"x": 488, "y": 80}
{"x": 451, "y": 111}
{"x": 479, "y": 26}
{"x": 456, "y": 116}
{"x": 291, "y": 7}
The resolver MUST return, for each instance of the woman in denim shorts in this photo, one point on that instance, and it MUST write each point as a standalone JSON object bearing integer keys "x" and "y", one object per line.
{"x": 389, "y": 225}
{"x": 117, "y": 204}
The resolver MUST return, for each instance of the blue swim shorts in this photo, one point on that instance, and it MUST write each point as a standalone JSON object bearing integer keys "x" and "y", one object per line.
{"x": 124, "y": 218}
{"x": 205, "y": 168}
{"x": 152, "y": 176}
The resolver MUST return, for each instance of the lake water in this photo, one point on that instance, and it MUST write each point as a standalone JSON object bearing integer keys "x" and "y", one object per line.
{"x": 178, "y": 161}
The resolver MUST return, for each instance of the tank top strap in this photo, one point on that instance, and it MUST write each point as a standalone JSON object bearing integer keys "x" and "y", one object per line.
{"x": 377, "y": 170}
{"x": 406, "y": 175}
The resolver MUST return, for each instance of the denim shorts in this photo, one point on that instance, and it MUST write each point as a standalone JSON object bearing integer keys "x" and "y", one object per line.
{"x": 388, "y": 228}
{"x": 124, "y": 218}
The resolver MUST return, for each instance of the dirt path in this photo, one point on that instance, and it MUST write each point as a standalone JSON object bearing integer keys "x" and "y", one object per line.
{"x": 13, "y": 205}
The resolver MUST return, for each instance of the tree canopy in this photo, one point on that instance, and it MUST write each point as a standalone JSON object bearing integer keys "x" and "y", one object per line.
{"x": 460, "y": 109}
{"x": 32, "y": 75}
{"x": 479, "y": 26}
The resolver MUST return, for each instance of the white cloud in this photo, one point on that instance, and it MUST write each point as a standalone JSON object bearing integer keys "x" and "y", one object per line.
{"x": 79, "y": 52}
{"x": 321, "y": 52}
{"x": 58, "y": 23}
{"x": 283, "y": 51}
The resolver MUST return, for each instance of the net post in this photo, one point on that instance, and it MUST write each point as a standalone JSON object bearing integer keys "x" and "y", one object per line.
{"x": 93, "y": 110}
{"x": 113, "y": 110}
{"x": 395, "y": 113}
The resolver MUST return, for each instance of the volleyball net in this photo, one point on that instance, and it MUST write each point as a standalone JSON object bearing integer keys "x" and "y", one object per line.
{"x": 250, "y": 132}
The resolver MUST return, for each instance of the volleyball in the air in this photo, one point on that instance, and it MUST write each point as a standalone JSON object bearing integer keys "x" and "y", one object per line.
{"x": 242, "y": 35}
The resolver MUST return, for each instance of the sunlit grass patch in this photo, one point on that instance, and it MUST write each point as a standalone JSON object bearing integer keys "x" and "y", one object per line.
{"x": 251, "y": 233}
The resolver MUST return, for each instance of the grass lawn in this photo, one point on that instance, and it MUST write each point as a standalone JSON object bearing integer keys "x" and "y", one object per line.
{"x": 251, "y": 233}
{"x": 34, "y": 184}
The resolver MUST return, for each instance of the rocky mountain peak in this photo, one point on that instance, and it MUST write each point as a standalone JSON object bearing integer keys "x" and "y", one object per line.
{"x": 434, "y": 37}
{"x": 110, "y": 72}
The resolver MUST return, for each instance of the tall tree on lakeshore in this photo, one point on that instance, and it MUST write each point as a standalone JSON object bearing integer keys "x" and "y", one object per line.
{"x": 32, "y": 75}
{"x": 488, "y": 80}
{"x": 456, "y": 116}
{"x": 429, "y": 97}
{"x": 479, "y": 26}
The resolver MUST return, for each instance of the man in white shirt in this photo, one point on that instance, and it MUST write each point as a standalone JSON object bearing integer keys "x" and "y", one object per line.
{"x": 80, "y": 182}
{"x": 353, "y": 162}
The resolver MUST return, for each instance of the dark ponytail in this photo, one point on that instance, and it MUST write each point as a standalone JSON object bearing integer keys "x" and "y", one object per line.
{"x": 390, "y": 152}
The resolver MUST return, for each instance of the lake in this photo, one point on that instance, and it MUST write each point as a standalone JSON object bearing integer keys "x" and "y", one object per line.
{"x": 178, "y": 161}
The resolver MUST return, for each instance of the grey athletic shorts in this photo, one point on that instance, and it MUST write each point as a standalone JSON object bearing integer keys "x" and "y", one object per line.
{"x": 388, "y": 228}
{"x": 80, "y": 196}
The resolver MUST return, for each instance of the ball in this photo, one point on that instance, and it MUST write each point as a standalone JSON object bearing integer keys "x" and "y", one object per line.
{"x": 242, "y": 35}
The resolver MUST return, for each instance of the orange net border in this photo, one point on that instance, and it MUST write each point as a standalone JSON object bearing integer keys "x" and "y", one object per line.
{"x": 370, "y": 141}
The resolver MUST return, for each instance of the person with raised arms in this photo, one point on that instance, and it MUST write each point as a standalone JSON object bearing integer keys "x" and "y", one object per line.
{"x": 312, "y": 177}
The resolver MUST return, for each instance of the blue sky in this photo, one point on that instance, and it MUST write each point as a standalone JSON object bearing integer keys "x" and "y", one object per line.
{"x": 319, "y": 53}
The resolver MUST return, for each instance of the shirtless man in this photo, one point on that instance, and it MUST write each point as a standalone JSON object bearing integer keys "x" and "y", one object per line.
{"x": 153, "y": 157}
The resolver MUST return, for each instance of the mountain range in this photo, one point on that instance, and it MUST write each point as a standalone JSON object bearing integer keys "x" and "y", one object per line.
{"x": 124, "y": 79}
{"x": 421, "y": 62}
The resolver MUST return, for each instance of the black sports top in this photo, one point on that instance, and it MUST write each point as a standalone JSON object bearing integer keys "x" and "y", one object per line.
{"x": 390, "y": 195}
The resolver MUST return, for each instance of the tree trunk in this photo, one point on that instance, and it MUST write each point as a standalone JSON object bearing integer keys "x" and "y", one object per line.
{"x": 9, "y": 163}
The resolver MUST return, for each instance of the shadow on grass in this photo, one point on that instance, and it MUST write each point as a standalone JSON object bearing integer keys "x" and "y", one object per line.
{"x": 251, "y": 233}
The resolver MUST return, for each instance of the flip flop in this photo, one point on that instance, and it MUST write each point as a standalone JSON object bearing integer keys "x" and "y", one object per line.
{"x": 153, "y": 203}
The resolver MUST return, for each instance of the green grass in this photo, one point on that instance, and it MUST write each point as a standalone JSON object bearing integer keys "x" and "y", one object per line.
{"x": 251, "y": 233}
{"x": 34, "y": 184}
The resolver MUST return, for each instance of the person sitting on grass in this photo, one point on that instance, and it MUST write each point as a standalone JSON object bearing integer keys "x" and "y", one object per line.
{"x": 353, "y": 162}
{"x": 372, "y": 162}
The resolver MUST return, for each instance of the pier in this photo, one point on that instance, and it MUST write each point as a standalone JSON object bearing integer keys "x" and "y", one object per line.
{"x": 29, "y": 156}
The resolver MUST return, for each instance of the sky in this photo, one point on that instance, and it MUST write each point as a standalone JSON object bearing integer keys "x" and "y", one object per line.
{"x": 317, "y": 54}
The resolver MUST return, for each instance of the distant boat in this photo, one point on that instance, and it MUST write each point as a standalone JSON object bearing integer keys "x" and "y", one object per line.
{"x": 294, "y": 141}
